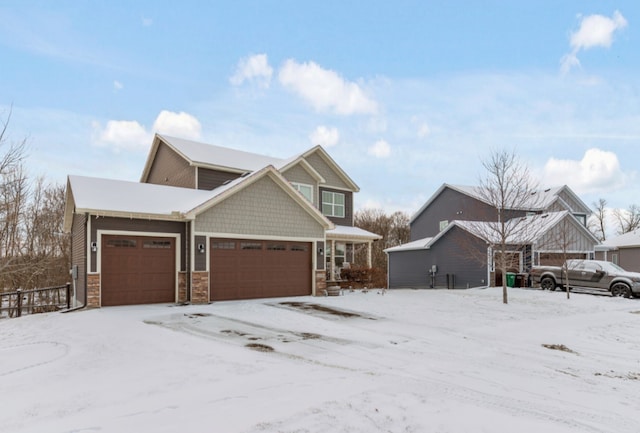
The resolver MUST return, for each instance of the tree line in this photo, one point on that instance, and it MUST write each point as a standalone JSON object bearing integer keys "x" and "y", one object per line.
{"x": 34, "y": 251}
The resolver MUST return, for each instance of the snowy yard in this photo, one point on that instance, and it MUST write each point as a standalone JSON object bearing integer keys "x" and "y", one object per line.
{"x": 408, "y": 361}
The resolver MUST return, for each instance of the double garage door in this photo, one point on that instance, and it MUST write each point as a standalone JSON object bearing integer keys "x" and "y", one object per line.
{"x": 142, "y": 269}
{"x": 138, "y": 270}
{"x": 245, "y": 269}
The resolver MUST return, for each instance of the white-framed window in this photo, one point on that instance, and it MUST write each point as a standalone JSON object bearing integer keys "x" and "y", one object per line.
{"x": 304, "y": 189}
{"x": 333, "y": 204}
{"x": 443, "y": 224}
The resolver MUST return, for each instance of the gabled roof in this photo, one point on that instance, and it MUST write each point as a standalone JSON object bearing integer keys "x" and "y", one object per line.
{"x": 210, "y": 156}
{"x": 626, "y": 240}
{"x": 341, "y": 173}
{"x": 537, "y": 226}
{"x": 118, "y": 198}
{"x": 223, "y": 192}
{"x": 420, "y": 244}
{"x": 540, "y": 200}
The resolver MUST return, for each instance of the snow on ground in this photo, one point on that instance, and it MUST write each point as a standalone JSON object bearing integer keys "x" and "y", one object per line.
{"x": 409, "y": 361}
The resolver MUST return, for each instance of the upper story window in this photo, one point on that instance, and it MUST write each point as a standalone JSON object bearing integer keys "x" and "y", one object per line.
{"x": 582, "y": 218}
{"x": 443, "y": 224}
{"x": 333, "y": 204}
{"x": 304, "y": 189}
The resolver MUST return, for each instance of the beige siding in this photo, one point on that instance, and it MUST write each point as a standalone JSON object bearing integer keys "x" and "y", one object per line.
{"x": 261, "y": 209}
{"x": 169, "y": 168}
{"x": 78, "y": 253}
{"x": 298, "y": 174}
{"x": 333, "y": 180}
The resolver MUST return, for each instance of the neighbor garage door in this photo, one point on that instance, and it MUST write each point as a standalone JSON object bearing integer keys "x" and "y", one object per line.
{"x": 137, "y": 270}
{"x": 245, "y": 269}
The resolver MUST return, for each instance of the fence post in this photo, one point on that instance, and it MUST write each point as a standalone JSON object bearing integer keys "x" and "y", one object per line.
{"x": 68, "y": 296}
{"x": 19, "y": 303}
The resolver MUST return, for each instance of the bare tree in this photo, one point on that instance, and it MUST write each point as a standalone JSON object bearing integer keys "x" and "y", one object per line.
{"x": 33, "y": 250}
{"x": 597, "y": 222}
{"x": 509, "y": 189}
{"x": 628, "y": 220}
{"x": 393, "y": 228}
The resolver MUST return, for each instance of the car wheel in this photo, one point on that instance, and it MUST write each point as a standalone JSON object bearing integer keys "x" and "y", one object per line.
{"x": 547, "y": 283}
{"x": 621, "y": 289}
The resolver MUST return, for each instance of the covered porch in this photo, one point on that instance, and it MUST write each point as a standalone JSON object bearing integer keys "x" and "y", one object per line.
{"x": 342, "y": 245}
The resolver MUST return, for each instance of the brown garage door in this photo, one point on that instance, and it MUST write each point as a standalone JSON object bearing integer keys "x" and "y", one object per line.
{"x": 245, "y": 269}
{"x": 137, "y": 270}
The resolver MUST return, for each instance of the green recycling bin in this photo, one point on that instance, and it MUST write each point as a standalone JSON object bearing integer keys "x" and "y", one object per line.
{"x": 511, "y": 279}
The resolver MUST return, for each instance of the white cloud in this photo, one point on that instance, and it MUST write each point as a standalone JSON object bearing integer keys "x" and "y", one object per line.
{"x": 131, "y": 135}
{"x": 594, "y": 31}
{"x": 380, "y": 149}
{"x": 324, "y": 136}
{"x": 253, "y": 69}
{"x": 117, "y": 85}
{"x": 597, "y": 171}
{"x": 324, "y": 89}
{"x": 121, "y": 134}
{"x": 181, "y": 124}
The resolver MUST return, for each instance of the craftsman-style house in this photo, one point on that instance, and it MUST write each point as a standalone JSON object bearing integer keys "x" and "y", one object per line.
{"x": 448, "y": 244}
{"x": 210, "y": 223}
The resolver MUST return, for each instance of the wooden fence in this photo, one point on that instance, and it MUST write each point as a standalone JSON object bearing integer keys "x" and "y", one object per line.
{"x": 15, "y": 304}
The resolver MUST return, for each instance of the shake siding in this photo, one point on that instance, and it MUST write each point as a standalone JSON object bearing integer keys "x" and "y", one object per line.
{"x": 449, "y": 205}
{"x": 261, "y": 209}
{"x": 139, "y": 225}
{"x": 78, "y": 254}
{"x": 209, "y": 179}
{"x": 169, "y": 168}
{"x": 300, "y": 175}
{"x": 330, "y": 176}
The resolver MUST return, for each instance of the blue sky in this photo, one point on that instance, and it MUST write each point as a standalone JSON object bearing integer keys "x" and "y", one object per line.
{"x": 405, "y": 95}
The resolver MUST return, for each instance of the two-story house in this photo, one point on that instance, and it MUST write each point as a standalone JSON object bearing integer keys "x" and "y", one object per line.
{"x": 209, "y": 223}
{"x": 449, "y": 248}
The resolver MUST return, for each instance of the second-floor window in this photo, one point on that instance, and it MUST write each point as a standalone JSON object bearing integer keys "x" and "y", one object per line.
{"x": 304, "y": 189}
{"x": 333, "y": 204}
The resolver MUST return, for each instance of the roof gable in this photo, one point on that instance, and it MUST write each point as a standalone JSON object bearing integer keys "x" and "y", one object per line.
{"x": 334, "y": 176}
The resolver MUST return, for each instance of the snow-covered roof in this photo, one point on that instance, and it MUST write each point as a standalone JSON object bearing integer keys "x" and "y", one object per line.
{"x": 539, "y": 200}
{"x": 348, "y": 232}
{"x": 626, "y": 240}
{"x": 212, "y": 155}
{"x": 119, "y": 196}
{"x": 420, "y": 244}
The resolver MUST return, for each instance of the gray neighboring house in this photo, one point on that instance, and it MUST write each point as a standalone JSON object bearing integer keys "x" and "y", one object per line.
{"x": 446, "y": 250}
{"x": 209, "y": 223}
{"x": 623, "y": 250}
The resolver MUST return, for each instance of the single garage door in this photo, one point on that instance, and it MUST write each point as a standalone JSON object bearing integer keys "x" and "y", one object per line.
{"x": 138, "y": 270}
{"x": 246, "y": 269}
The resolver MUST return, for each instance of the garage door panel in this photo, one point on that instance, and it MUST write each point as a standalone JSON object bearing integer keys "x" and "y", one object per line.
{"x": 137, "y": 270}
{"x": 245, "y": 269}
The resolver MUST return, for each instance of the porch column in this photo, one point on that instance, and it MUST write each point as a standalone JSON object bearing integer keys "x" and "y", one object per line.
{"x": 369, "y": 248}
{"x": 332, "y": 263}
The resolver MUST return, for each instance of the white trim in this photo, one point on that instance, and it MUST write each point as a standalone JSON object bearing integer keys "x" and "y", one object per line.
{"x": 88, "y": 251}
{"x": 100, "y": 233}
{"x": 333, "y": 204}
{"x": 257, "y": 237}
{"x": 297, "y": 185}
